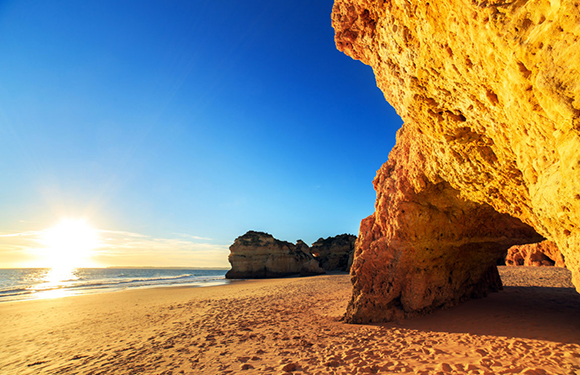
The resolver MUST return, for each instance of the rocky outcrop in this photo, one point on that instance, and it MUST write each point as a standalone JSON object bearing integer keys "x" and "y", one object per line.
{"x": 544, "y": 253}
{"x": 334, "y": 253}
{"x": 260, "y": 255}
{"x": 488, "y": 156}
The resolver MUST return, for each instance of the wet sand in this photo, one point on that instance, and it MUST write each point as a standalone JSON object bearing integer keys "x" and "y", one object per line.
{"x": 293, "y": 326}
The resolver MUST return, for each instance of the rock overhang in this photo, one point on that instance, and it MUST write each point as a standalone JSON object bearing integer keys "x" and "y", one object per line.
{"x": 489, "y": 93}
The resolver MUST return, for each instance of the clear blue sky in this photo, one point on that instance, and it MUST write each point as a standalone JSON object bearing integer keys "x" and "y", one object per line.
{"x": 186, "y": 119}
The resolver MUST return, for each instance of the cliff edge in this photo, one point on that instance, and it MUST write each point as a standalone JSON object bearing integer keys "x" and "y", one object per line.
{"x": 489, "y": 153}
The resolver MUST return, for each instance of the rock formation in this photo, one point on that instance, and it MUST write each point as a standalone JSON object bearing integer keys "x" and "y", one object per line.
{"x": 489, "y": 153}
{"x": 260, "y": 255}
{"x": 334, "y": 253}
{"x": 544, "y": 253}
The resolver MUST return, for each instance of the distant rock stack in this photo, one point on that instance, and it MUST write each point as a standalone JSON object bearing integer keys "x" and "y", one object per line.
{"x": 257, "y": 255}
{"x": 334, "y": 253}
{"x": 544, "y": 253}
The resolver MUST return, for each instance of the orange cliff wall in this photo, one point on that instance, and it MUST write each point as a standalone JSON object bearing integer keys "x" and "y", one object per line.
{"x": 489, "y": 153}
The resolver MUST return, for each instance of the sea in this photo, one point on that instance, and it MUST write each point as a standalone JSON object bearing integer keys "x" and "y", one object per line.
{"x": 20, "y": 284}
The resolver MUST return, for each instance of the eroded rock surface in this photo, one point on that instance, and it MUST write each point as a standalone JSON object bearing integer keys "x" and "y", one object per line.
{"x": 259, "y": 255}
{"x": 334, "y": 253}
{"x": 544, "y": 253}
{"x": 489, "y": 153}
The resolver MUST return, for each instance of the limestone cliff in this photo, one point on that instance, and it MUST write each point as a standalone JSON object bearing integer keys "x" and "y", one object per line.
{"x": 544, "y": 253}
{"x": 334, "y": 253}
{"x": 260, "y": 255}
{"x": 489, "y": 92}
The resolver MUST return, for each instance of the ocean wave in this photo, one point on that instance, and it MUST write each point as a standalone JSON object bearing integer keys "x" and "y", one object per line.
{"x": 110, "y": 282}
{"x": 33, "y": 285}
{"x": 14, "y": 292}
{"x": 76, "y": 285}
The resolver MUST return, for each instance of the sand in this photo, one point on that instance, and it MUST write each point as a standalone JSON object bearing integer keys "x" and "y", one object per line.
{"x": 293, "y": 325}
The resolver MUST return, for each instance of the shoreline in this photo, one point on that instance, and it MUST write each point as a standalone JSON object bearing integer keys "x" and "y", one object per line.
{"x": 33, "y": 284}
{"x": 273, "y": 326}
{"x": 68, "y": 293}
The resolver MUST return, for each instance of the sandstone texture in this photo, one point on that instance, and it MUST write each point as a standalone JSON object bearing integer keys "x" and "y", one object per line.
{"x": 258, "y": 255}
{"x": 334, "y": 253}
{"x": 489, "y": 153}
{"x": 544, "y": 253}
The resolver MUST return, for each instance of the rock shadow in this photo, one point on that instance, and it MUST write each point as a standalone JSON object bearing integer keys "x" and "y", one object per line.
{"x": 539, "y": 313}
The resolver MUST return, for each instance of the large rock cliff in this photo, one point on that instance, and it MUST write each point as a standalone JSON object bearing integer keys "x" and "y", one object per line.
{"x": 259, "y": 255}
{"x": 334, "y": 253}
{"x": 489, "y": 153}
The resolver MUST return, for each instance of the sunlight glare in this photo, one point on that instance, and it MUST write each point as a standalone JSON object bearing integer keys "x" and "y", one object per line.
{"x": 70, "y": 244}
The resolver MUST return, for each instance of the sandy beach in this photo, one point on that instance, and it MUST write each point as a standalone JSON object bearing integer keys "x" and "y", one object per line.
{"x": 293, "y": 325}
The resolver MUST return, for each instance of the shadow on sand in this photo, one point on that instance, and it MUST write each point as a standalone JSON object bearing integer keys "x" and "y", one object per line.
{"x": 540, "y": 313}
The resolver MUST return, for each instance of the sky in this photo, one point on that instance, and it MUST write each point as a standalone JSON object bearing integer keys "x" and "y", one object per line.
{"x": 173, "y": 127}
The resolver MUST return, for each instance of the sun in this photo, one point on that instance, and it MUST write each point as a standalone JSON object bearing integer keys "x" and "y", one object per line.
{"x": 70, "y": 244}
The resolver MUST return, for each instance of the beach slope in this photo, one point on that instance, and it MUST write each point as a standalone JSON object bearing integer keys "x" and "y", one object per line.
{"x": 293, "y": 325}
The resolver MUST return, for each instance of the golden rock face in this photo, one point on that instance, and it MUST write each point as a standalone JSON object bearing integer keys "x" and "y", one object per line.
{"x": 258, "y": 255}
{"x": 544, "y": 253}
{"x": 489, "y": 92}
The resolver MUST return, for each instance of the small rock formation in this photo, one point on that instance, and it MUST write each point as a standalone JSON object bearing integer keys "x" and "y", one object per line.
{"x": 488, "y": 156}
{"x": 544, "y": 253}
{"x": 334, "y": 253}
{"x": 258, "y": 255}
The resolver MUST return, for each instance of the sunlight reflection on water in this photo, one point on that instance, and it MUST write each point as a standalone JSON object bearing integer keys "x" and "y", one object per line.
{"x": 55, "y": 293}
{"x": 53, "y": 283}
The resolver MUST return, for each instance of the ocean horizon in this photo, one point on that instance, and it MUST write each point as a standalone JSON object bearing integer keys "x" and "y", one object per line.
{"x": 21, "y": 284}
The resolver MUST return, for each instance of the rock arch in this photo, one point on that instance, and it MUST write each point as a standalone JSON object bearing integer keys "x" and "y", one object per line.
{"x": 489, "y": 153}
